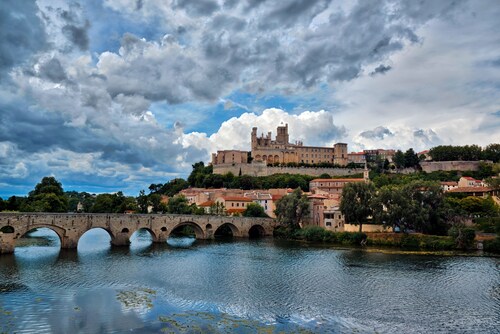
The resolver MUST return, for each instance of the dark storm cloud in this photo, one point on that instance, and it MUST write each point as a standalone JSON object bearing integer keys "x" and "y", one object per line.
{"x": 227, "y": 50}
{"x": 53, "y": 71}
{"x": 22, "y": 33}
{"x": 76, "y": 27}
{"x": 231, "y": 23}
{"x": 36, "y": 131}
{"x": 198, "y": 7}
{"x": 139, "y": 4}
{"x": 287, "y": 14}
{"x": 379, "y": 132}
{"x": 78, "y": 35}
{"x": 381, "y": 69}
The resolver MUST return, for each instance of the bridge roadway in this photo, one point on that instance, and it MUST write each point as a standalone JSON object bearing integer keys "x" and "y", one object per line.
{"x": 71, "y": 226}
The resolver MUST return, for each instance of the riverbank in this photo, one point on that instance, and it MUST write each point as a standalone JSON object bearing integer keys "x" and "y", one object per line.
{"x": 393, "y": 241}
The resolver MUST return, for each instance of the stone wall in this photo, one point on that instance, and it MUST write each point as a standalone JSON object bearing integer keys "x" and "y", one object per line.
{"x": 261, "y": 169}
{"x": 434, "y": 166}
{"x": 367, "y": 228}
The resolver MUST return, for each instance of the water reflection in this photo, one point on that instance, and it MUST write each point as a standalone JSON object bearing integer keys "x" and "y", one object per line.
{"x": 181, "y": 242}
{"x": 264, "y": 284}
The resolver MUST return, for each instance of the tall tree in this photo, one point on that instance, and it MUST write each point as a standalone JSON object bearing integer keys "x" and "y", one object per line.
{"x": 410, "y": 158}
{"x": 492, "y": 152}
{"x": 292, "y": 209}
{"x": 254, "y": 210}
{"x": 143, "y": 202}
{"x": 416, "y": 205}
{"x": 48, "y": 196}
{"x": 399, "y": 159}
{"x": 356, "y": 202}
{"x": 179, "y": 205}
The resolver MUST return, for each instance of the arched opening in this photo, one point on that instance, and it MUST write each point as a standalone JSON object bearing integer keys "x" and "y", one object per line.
{"x": 95, "y": 240}
{"x": 184, "y": 235}
{"x": 227, "y": 230}
{"x": 125, "y": 230}
{"x": 40, "y": 236}
{"x": 208, "y": 226}
{"x": 143, "y": 237}
{"x": 256, "y": 231}
{"x": 276, "y": 158}
{"x": 7, "y": 229}
{"x": 40, "y": 243}
{"x": 164, "y": 229}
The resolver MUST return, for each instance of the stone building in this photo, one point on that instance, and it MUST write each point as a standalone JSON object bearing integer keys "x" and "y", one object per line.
{"x": 280, "y": 150}
{"x": 229, "y": 157}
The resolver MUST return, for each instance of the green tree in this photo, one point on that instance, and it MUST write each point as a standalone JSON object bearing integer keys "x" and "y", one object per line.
{"x": 179, "y": 205}
{"x": 3, "y": 204}
{"x": 217, "y": 209}
{"x": 399, "y": 159}
{"x": 48, "y": 196}
{"x": 254, "y": 210}
{"x": 292, "y": 209}
{"x": 15, "y": 203}
{"x": 103, "y": 204}
{"x": 143, "y": 202}
{"x": 155, "y": 200}
{"x": 410, "y": 158}
{"x": 417, "y": 205}
{"x": 356, "y": 203}
{"x": 492, "y": 152}
{"x": 198, "y": 174}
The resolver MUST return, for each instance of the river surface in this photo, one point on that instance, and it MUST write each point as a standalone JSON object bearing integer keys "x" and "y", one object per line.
{"x": 252, "y": 286}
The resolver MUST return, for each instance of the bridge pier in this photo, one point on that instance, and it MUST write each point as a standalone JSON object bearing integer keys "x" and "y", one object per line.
{"x": 7, "y": 243}
{"x": 121, "y": 239}
{"x": 69, "y": 243}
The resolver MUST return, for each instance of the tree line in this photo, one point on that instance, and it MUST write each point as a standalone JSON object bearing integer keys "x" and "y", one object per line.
{"x": 465, "y": 153}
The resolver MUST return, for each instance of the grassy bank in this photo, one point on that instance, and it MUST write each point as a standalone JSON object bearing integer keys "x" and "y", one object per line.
{"x": 414, "y": 241}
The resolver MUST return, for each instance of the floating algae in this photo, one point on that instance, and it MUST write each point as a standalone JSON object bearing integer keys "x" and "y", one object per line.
{"x": 204, "y": 322}
{"x": 141, "y": 298}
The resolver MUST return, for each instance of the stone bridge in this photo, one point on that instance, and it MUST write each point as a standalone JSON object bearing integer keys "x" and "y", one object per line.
{"x": 70, "y": 227}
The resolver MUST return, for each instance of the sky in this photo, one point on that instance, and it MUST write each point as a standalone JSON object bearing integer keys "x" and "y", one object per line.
{"x": 113, "y": 95}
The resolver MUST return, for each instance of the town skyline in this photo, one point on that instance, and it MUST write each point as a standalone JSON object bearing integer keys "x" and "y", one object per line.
{"x": 116, "y": 95}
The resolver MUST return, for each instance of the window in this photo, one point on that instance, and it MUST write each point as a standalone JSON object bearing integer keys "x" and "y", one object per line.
{"x": 328, "y": 224}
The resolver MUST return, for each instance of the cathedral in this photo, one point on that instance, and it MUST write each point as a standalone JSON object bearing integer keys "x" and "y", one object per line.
{"x": 280, "y": 150}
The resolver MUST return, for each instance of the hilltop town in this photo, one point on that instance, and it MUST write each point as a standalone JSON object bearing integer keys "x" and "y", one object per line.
{"x": 253, "y": 182}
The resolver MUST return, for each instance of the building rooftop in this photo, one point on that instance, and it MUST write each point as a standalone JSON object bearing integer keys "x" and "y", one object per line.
{"x": 471, "y": 190}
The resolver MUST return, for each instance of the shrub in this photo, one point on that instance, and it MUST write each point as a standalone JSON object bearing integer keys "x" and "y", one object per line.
{"x": 488, "y": 224}
{"x": 492, "y": 246}
{"x": 463, "y": 236}
{"x": 410, "y": 241}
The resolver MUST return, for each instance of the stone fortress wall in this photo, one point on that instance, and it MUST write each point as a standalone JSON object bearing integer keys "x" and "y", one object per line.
{"x": 261, "y": 169}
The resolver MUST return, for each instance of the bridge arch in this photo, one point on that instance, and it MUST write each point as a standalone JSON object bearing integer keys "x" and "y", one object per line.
{"x": 256, "y": 231}
{"x": 58, "y": 230}
{"x": 111, "y": 235}
{"x": 153, "y": 235}
{"x": 198, "y": 231}
{"x": 235, "y": 232}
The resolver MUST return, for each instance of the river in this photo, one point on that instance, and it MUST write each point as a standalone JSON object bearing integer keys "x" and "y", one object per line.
{"x": 248, "y": 286}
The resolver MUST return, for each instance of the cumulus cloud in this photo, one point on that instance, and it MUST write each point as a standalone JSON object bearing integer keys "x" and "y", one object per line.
{"x": 313, "y": 128}
{"x": 87, "y": 113}
{"x": 22, "y": 34}
{"x": 379, "y": 132}
{"x": 398, "y": 137}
